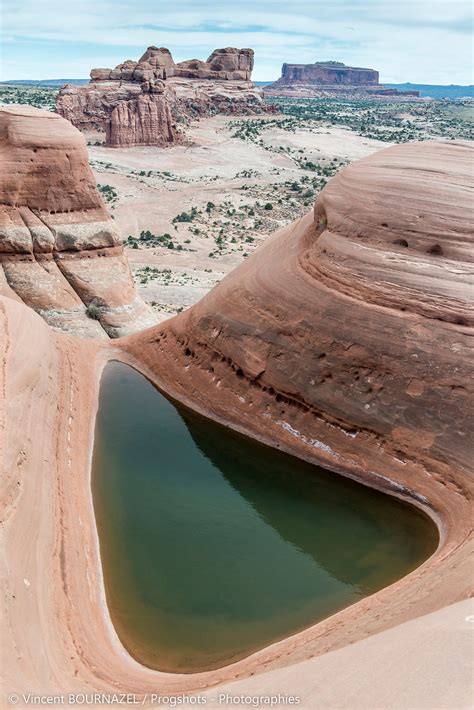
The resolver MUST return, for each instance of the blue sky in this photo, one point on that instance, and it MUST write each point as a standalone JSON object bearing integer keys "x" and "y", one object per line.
{"x": 422, "y": 41}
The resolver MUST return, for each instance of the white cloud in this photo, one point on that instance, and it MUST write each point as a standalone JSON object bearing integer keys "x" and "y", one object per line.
{"x": 420, "y": 40}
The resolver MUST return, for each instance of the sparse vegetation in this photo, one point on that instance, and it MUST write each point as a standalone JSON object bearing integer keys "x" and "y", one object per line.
{"x": 186, "y": 216}
{"x": 93, "y": 311}
{"x": 390, "y": 121}
{"x": 297, "y": 151}
{"x": 109, "y": 193}
{"x": 147, "y": 239}
{"x": 40, "y": 97}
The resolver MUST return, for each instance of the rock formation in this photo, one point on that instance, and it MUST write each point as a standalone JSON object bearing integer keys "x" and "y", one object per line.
{"x": 228, "y": 64}
{"x": 329, "y": 78}
{"x": 351, "y": 329}
{"x": 140, "y": 103}
{"x": 60, "y": 252}
{"x": 327, "y": 73}
{"x": 343, "y": 339}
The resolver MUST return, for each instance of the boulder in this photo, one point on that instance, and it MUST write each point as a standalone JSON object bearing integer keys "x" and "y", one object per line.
{"x": 230, "y": 60}
{"x": 99, "y": 75}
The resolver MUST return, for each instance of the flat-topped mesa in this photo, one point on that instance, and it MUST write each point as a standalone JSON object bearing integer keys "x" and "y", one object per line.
{"x": 140, "y": 103}
{"x": 327, "y": 73}
{"x": 60, "y": 252}
{"x": 327, "y": 78}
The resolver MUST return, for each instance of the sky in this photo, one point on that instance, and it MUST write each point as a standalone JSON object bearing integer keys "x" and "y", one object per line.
{"x": 421, "y": 41}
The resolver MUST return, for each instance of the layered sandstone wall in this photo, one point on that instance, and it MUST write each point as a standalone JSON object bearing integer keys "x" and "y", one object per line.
{"x": 352, "y": 329}
{"x": 139, "y": 103}
{"x": 227, "y": 64}
{"x": 327, "y": 78}
{"x": 60, "y": 251}
{"x": 327, "y": 73}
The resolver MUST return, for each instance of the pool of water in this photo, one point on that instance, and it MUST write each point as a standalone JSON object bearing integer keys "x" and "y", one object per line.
{"x": 214, "y": 546}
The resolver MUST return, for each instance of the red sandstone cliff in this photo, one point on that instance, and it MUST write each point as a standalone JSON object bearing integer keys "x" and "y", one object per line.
{"x": 327, "y": 78}
{"x": 138, "y": 103}
{"x": 60, "y": 252}
{"x": 327, "y": 73}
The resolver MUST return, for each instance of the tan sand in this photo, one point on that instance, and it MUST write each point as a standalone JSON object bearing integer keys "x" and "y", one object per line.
{"x": 205, "y": 170}
{"x": 424, "y": 664}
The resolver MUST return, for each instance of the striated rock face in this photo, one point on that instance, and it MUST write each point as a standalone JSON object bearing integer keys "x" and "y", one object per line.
{"x": 327, "y": 73}
{"x": 139, "y": 103}
{"x": 326, "y": 78}
{"x": 60, "y": 252}
{"x": 228, "y": 64}
{"x": 348, "y": 333}
{"x": 145, "y": 120}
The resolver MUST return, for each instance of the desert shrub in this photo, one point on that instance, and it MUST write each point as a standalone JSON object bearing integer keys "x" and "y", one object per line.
{"x": 93, "y": 311}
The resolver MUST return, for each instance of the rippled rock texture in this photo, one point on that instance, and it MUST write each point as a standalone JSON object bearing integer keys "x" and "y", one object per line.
{"x": 350, "y": 331}
{"x": 60, "y": 252}
{"x": 140, "y": 103}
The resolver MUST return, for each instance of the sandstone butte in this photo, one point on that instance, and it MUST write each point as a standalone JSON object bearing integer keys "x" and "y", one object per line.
{"x": 140, "y": 103}
{"x": 345, "y": 339}
{"x": 60, "y": 252}
{"x": 332, "y": 79}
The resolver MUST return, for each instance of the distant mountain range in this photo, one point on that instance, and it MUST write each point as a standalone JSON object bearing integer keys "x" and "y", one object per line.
{"x": 44, "y": 82}
{"x": 435, "y": 91}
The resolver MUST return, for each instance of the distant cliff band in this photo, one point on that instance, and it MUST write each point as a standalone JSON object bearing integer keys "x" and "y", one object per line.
{"x": 331, "y": 78}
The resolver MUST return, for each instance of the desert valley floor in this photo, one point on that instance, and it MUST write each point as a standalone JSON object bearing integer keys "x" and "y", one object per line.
{"x": 151, "y": 187}
{"x": 217, "y": 197}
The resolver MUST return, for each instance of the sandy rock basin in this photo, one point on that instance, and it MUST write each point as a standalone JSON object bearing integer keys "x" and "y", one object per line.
{"x": 214, "y": 546}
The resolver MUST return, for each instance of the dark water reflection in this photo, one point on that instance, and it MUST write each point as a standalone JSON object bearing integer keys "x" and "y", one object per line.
{"x": 214, "y": 546}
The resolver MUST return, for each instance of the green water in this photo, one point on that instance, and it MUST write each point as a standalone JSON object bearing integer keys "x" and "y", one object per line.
{"x": 214, "y": 546}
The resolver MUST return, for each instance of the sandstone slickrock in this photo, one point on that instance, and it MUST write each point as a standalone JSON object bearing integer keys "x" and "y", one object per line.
{"x": 350, "y": 330}
{"x": 140, "y": 103}
{"x": 329, "y": 78}
{"x": 308, "y": 351}
{"x": 60, "y": 251}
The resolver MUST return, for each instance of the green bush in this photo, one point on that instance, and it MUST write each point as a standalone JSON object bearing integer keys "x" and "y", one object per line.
{"x": 93, "y": 311}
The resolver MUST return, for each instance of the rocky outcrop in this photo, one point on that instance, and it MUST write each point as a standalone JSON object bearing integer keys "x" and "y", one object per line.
{"x": 228, "y": 64}
{"x": 140, "y": 103}
{"x": 327, "y": 73}
{"x": 349, "y": 332}
{"x": 146, "y": 120}
{"x": 327, "y": 78}
{"x": 60, "y": 251}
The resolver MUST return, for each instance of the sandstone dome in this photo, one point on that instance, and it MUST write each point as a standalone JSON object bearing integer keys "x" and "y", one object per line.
{"x": 350, "y": 331}
{"x": 335, "y": 341}
{"x": 60, "y": 252}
